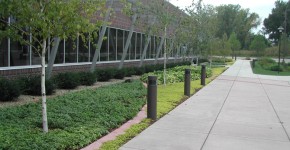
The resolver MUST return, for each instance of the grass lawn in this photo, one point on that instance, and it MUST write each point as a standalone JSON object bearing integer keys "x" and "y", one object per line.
{"x": 168, "y": 98}
{"x": 259, "y": 70}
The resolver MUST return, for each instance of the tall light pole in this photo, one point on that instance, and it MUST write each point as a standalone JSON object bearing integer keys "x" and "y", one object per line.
{"x": 280, "y": 30}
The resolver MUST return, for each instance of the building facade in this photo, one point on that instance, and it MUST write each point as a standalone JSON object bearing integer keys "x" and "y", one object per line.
{"x": 75, "y": 55}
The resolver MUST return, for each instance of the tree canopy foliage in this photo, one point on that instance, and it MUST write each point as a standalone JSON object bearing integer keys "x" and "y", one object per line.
{"x": 234, "y": 44}
{"x": 258, "y": 44}
{"x": 209, "y": 25}
{"x": 278, "y": 17}
{"x": 232, "y": 18}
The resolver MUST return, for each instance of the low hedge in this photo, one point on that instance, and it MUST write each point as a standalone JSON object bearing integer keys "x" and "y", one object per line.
{"x": 75, "y": 119}
{"x": 87, "y": 78}
{"x": 67, "y": 80}
{"x": 31, "y": 85}
{"x": 221, "y": 59}
{"x": 8, "y": 90}
{"x": 105, "y": 74}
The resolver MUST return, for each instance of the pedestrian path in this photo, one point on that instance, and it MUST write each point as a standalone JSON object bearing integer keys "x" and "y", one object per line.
{"x": 237, "y": 111}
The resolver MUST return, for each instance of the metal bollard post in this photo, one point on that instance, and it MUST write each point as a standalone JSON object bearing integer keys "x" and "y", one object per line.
{"x": 152, "y": 97}
{"x": 203, "y": 74}
{"x": 254, "y": 63}
{"x": 187, "y": 77}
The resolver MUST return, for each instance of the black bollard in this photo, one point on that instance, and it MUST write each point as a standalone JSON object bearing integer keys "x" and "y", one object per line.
{"x": 254, "y": 63}
{"x": 187, "y": 77}
{"x": 152, "y": 97}
{"x": 203, "y": 74}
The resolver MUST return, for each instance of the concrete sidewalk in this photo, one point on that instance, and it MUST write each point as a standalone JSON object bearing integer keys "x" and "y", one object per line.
{"x": 237, "y": 111}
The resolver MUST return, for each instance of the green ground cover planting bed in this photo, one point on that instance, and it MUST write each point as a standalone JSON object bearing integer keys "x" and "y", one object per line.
{"x": 176, "y": 74}
{"x": 75, "y": 119}
{"x": 268, "y": 66}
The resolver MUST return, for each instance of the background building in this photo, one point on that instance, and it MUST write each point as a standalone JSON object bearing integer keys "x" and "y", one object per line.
{"x": 75, "y": 55}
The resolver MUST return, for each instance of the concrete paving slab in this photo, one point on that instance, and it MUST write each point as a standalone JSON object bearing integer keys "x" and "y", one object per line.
{"x": 218, "y": 142}
{"x": 197, "y": 97}
{"x": 249, "y": 130}
{"x": 248, "y": 105}
{"x": 247, "y": 79}
{"x": 202, "y": 104}
{"x": 275, "y": 82}
{"x": 226, "y": 77}
{"x": 277, "y": 92}
{"x": 198, "y": 113}
{"x": 183, "y": 124}
{"x": 258, "y": 116}
{"x": 221, "y": 93}
{"x": 158, "y": 139}
{"x": 279, "y": 78}
{"x": 287, "y": 127}
{"x": 284, "y": 115}
{"x": 237, "y": 111}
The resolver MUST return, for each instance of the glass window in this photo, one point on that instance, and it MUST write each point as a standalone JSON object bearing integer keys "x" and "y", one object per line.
{"x": 161, "y": 55}
{"x": 60, "y": 53}
{"x": 148, "y": 47}
{"x": 93, "y": 46}
{"x": 112, "y": 44}
{"x": 158, "y": 40}
{"x": 70, "y": 51}
{"x": 138, "y": 46}
{"x": 133, "y": 45}
{"x": 84, "y": 48}
{"x": 104, "y": 51}
{"x": 3, "y": 46}
{"x": 172, "y": 47}
{"x": 4, "y": 53}
{"x": 120, "y": 44}
{"x": 143, "y": 41}
{"x": 19, "y": 53}
{"x": 126, "y": 35}
{"x": 152, "y": 47}
{"x": 148, "y": 53}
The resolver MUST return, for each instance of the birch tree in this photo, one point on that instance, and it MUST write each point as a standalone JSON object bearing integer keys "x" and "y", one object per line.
{"x": 43, "y": 19}
{"x": 165, "y": 15}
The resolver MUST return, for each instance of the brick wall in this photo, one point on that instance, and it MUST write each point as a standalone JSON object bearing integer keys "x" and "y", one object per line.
{"x": 14, "y": 73}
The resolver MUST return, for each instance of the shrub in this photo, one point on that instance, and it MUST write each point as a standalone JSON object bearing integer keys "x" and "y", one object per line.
{"x": 129, "y": 72}
{"x": 200, "y": 60}
{"x": 172, "y": 65}
{"x": 149, "y": 68}
{"x": 266, "y": 63}
{"x": 120, "y": 74}
{"x": 276, "y": 68}
{"x": 87, "y": 78}
{"x": 31, "y": 85}
{"x": 139, "y": 70}
{"x": 176, "y": 74}
{"x": 8, "y": 90}
{"x": 68, "y": 80}
{"x": 105, "y": 74}
{"x": 221, "y": 59}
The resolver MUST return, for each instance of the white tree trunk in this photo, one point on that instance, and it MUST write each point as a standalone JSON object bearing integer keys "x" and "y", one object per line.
{"x": 164, "y": 71}
{"x": 43, "y": 93}
{"x": 165, "y": 46}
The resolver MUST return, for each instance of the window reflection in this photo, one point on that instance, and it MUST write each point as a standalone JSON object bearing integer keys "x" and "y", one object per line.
{"x": 112, "y": 44}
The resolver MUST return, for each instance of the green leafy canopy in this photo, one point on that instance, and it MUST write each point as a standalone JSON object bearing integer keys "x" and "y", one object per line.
{"x": 50, "y": 18}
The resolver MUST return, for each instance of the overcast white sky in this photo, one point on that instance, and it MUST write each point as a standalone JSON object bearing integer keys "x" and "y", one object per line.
{"x": 261, "y": 7}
